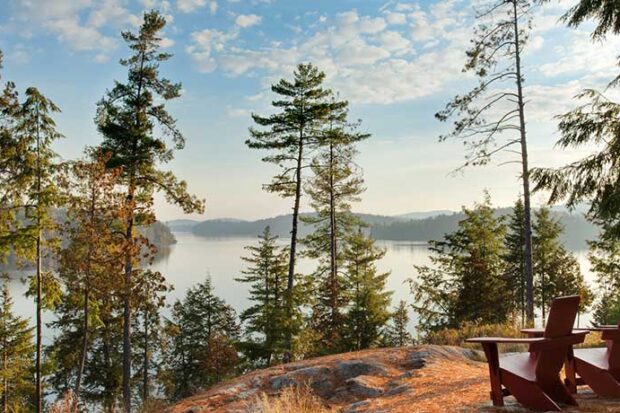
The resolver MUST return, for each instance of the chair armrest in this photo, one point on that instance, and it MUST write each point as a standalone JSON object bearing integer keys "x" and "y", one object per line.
{"x": 533, "y": 332}
{"x": 559, "y": 342}
{"x": 504, "y": 340}
{"x": 610, "y": 335}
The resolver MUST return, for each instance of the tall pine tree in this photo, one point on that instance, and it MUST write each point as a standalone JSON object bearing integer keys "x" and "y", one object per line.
{"x": 605, "y": 260}
{"x": 495, "y": 57}
{"x": 335, "y": 185}
{"x": 515, "y": 261}
{"x": 290, "y": 135}
{"x": 129, "y": 117}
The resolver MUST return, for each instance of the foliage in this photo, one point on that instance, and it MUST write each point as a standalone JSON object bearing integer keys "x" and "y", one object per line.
{"x": 201, "y": 335}
{"x": 515, "y": 261}
{"x": 129, "y": 117}
{"x": 266, "y": 321}
{"x": 557, "y": 271}
{"x": 458, "y": 336}
{"x": 605, "y": 263}
{"x": 495, "y": 58}
{"x": 465, "y": 282}
{"x": 290, "y": 400}
{"x": 290, "y": 135}
{"x": 335, "y": 185}
{"x": 605, "y": 12}
{"x": 367, "y": 310}
{"x": 397, "y": 334}
{"x": 16, "y": 358}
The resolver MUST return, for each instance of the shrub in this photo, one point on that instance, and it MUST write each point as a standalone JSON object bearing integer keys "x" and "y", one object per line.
{"x": 291, "y": 400}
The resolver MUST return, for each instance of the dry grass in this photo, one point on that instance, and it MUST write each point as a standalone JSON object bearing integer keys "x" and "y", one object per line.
{"x": 291, "y": 400}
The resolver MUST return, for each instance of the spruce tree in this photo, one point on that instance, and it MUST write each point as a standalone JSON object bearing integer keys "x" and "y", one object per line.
{"x": 291, "y": 135}
{"x": 368, "y": 307}
{"x": 397, "y": 333}
{"x": 465, "y": 281}
{"x": 150, "y": 299}
{"x": 129, "y": 118}
{"x": 201, "y": 333}
{"x": 558, "y": 273}
{"x": 495, "y": 57}
{"x": 515, "y": 261}
{"x": 266, "y": 321}
{"x": 335, "y": 185}
{"x": 36, "y": 131}
{"x": 17, "y": 352}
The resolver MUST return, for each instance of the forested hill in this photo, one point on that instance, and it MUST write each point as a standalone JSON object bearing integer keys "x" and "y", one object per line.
{"x": 398, "y": 228}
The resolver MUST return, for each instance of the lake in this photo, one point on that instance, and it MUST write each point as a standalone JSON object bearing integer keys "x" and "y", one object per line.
{"x": 194, "y": 258}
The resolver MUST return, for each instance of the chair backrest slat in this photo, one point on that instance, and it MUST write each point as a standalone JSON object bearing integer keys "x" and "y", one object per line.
{"x": 562, "y": 316}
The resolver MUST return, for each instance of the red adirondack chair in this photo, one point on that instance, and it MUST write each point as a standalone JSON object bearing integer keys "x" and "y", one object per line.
{"x": 599, "y": 368}
{"x": 533, "y": 378}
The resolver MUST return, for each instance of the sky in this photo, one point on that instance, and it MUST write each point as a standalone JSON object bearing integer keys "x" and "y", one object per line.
{"x": 397, "y": 63}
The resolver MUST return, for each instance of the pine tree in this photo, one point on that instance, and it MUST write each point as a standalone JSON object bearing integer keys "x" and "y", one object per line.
{"x": 202, "y": 332}
{"x": 604, "y": 257}
{"x": 150, "y": 298}
{"x": 267, "y": 317}
{"x": 605, "y": 12}
{"x": 36, "y": 131}
{"x": 16, "y": 357}
{"x": 368, "y": 308}
{"x": 495, "y": 58}
{"x": 515, "y": 261}
{"x": 465, "y": 282}
{"x": 336, "y": 184}
{"x": 558, "y": 272}
{"x": 397, "y": 333}
{"x": 128, "y": 118}
{"x": 291, "y": 135}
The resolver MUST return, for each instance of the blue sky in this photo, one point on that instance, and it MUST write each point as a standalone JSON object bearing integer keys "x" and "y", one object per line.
{"x": 396, "y": 62}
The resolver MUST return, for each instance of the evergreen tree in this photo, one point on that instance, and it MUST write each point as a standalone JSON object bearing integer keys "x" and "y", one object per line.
{"x": 496, "y": 59}
{"x": 266, "y": 321}
{"x": 605, "y": 12}
{"x": 605, "y": 263}
{"x": 397, "y": 333}
{"x": 128, "y": 117}
{"x": 17, "y": 352}
{"x": 36, "y": 132}
{"x": 291, "y": 135}
{"x": 336, "y": 184}
{"x": 150, "y": 298}
{"x": 368, "y": 308}
{"x": 515, "y": 261}
{"x": 202, "y": 332}
{"x": 465, "y": 282}
{"x": 558, "y": 273}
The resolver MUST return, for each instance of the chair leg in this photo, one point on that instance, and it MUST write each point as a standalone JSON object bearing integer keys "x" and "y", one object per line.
{"x": 560, "y": 393}
{"x": 569, "y": 368}
{"x": 600, "y": 381}
{"x": 492, "y": 354}
{"x": 529, "y": 394}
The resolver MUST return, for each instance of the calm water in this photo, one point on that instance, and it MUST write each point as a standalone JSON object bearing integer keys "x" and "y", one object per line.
{"x": 194, "y": 258}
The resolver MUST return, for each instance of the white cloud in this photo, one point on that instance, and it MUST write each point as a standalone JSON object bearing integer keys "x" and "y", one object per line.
{"x": 367, "y": 58}
{"x": 396, "y": 18}
{"x": 247, "y": 20}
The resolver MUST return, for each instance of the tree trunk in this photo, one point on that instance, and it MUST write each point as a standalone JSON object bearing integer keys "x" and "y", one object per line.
{"x": 332, "y": 243}
{"x": 78, "y": 381}
{"x": 291, "y": 265}
{"x": 145, "y": 376}
{"x": 38, "y": 387}
{"x": 527, "y": 222}
{"x": 127, "y": 315}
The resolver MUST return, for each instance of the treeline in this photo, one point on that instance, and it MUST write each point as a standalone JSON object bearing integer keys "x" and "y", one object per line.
{"x": 110, "y": 346}
{"x": 90, "y": 228}
{"x": 492, "y": 272}
{"x": 476, "y": 273}
{"x": 577, "y": 230}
